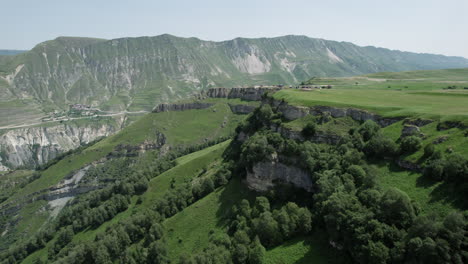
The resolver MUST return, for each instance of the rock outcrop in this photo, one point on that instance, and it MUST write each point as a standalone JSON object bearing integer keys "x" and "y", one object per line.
{"x": 418, "y": 122}
{"x": 180, "y": 107}
{"x": 248, "y": 94}
{"x": 242, "y": 108}
{"x": 265, "y": 174}
{"x": 33, "y": 146}
{"x": 291, "y": 112}
{"x": 411, "y": 130}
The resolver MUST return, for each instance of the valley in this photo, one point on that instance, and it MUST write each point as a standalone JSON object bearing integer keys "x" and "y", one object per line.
{"x": 277, "y": 150}
{"x": 264, "y": 175}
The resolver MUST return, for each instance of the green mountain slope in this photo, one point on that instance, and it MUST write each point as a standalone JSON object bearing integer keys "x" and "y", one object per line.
{"x": 137, "y": 73}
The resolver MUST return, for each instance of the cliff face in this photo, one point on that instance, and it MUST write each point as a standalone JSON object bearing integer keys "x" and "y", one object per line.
{"x": 248, "y": 94}
{"x": 291, "y": 112}
{"x": 29, "y": 147}
{"x": 180, "y": 107}
{"x": 265, "y": 175}
{"x": 242, "y": 109}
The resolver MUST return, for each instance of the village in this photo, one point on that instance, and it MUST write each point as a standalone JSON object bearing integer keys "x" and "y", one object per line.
{"x": 75, "y": 110}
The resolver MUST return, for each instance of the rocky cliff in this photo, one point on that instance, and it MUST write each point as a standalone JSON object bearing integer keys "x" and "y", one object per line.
{"x": 264, "y": 176}
{"x": 33, "y": 146}
{"x": 242, "y": 108}
{"x": 180, "y": 107}
{"x": 248, "y": 94}
{"x": 291, "y": 112}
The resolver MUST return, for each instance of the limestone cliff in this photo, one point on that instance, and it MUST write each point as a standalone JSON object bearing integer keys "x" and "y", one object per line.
{"x": 180, "y": 107}
{"x": 291, "y": 112}
{"x": 264, "y": 175}
{"x": 242, "y": 108}
{"x": 248, "y": 94}
{"x": 33, "y": 146}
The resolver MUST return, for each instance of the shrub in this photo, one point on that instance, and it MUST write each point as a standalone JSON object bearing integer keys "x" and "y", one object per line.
{"x": 435, "y": 169}
{"x": 309, "y": 130}
{"x": 368, "y": 129}
{"x": 429, "y": 149}
{"x": 410, "y": 144}
{"x": 380, "y": 146}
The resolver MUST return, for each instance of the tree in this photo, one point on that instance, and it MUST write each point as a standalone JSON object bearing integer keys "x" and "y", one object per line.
{"x": 241, "y": 253}
{"x": 266, "y": 227}
{"x": 101, "y": 255}
{"x": 358, "y": 174}
{"x": 157, "y": 253}
{"x": 207, "y": 186}
{"x": 368, "y": 129}
{"x": 434, "y": 169}
{"x": 64, "y": 237}
{"x": 261, "y": 205}
{"x": 410, "y": 144}
{"x": 378, "y": 252}
{"x": 429, "y": 149}
{"x": 456, "y": 168}
{"x": 244, "y": 209}
{"x": 257, "y": 252}
{"x": 381, "y": 146}
{"x": 309, "y": 129}
{"x": 397, "y": 208}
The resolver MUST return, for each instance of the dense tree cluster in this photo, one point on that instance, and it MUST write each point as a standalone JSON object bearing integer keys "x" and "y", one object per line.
{"x": 363, "y": 220}
{"x": 252, "y": 229}
{"x": 113, "y": 245}
{"x": 451, "y": 168}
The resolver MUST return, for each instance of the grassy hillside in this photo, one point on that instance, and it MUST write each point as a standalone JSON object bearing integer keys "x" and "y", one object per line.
{"x": 180, "y": 129}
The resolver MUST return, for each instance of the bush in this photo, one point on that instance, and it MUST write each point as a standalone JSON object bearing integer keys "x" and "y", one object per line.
{"x": 309, "y": 130}
{"x": 456, "y": 168}
{"x": 410, "y": 144}
{"x": 429, "y": 150}
{"x": 380, "y": 146}
{"x": 435, "y": 169}
{"x": 368, "y": 129}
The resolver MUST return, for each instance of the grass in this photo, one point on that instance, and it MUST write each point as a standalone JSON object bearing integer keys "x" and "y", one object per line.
{"x": 188, "y": 166}
{"x": 195, "y": 126}
{"x": 386, "y": 103}
{"x": 433, "y": 197}
{"x": 301, "y": 250}
{"x": 414, "y": 93}
{"x": 189, "y": 230}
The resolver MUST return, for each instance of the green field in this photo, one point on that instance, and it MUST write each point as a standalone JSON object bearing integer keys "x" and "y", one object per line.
{"x": 444, "y": 105}
{"x": 301, "y": 250}
{"x": 414, "y": 93}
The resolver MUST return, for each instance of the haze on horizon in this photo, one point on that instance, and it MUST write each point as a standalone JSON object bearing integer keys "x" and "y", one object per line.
{"x": 426, "y": 26}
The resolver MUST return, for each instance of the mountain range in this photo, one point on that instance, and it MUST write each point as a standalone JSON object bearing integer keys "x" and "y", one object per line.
{"x": 137, "y": 73}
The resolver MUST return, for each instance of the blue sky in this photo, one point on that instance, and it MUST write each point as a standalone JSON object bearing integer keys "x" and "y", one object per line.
{"x": 432, "y": 26}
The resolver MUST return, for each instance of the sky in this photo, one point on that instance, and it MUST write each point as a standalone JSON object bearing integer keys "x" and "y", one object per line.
{"x": 429, "y": 26}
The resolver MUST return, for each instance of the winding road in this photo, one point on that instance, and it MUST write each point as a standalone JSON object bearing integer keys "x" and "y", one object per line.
{"x": 71, "y": 118}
